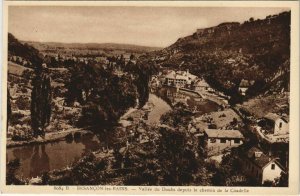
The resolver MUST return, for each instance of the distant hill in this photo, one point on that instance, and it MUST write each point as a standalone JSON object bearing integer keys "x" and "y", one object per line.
{"x": 89, "y": 48}
{"x": 23, "y": 50}
{"x": 256, "y": 50}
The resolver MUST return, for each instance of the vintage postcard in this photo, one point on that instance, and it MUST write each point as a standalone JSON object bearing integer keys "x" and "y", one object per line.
{"x": 129, "y": 97}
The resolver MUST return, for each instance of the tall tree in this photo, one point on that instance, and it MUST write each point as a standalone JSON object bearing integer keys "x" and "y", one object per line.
{"x": 41, "y": 98}
{"x": 178, "y": 159}
{"x": 143, "y": 70}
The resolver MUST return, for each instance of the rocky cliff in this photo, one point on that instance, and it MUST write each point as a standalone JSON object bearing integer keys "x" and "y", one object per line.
{"x": 256, "y": 50}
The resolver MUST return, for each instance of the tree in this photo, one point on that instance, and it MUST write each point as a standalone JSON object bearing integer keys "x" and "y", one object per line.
{"x": 283, "y": 180}
{"x": 107, "y": 95}
{"x": 41, "y": 98}
{"x": 229, "y": 172}
{"x": 178, "y": 159}
{"x": 143, "y": 71}
{"x": 131, "y": 57}
{"x": 84, "y": 78}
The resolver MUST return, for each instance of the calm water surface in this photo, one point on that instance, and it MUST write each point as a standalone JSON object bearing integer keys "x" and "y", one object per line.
{"x": 171, "y": 95}
{"x": 36, "y": 159}
{"x": 160, "y": 108}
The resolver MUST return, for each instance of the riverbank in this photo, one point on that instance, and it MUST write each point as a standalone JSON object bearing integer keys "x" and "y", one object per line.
{"x": 49, "y": 137}
{"x": 221, "y": 101}
{"x": 135, "y": 133}
{"x": 150, "y": 113}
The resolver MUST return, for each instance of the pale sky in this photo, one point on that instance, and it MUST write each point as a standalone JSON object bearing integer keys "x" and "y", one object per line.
{"x": 149, "y": 26}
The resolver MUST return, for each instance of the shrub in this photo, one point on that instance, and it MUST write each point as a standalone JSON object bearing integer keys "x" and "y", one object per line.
{"x": 12, "y": 167}
{"x": 24, "y": 90}
{"x": 23, "y": 103}
{"x": 27, "y": 74}
{"x": 21, "y": 133}
{"x": 15, "y": 118}
{"x": 268, "y": 183}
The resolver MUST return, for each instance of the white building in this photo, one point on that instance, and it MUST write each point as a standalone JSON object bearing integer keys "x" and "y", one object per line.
{"x": 201, "y": 85}
{"x": 179, "y": 78}
{"x": 216, "y": 140}
{"x": 275, "y": 124}
{"x": 261, "y": 166}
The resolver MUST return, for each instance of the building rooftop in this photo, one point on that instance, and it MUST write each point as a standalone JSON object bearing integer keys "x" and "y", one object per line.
{"x": 274, "y": 117}
{"x": 201, "y": 82}
{"x": 218, "y": 133}
{"x": 246, "y": 83}
{"x": 180, "y": 75}
{"x": 260, "y": 159}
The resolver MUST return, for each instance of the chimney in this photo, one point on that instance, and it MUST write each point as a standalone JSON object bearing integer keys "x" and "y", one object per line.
{"x": 258, "y": 154}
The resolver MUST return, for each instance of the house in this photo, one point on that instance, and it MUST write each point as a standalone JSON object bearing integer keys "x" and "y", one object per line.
{"x": 260, "y": 166}
{"x": 201, "y": 85}
{"x": 274, "y": 124}
{"x": 216, "y": 140}
{"x": 179, "y": 78}
{"x": 244, "y": 85}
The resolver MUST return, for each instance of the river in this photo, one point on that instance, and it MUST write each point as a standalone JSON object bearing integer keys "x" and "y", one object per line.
{"x": 194, "y": 102}
{"x": 39, "y": 158}
{"x": 160, "y": 107}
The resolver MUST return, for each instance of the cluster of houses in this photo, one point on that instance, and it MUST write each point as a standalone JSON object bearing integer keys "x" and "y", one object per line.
{"x": 255, "y": 163}
{"x": 183, "y": 79}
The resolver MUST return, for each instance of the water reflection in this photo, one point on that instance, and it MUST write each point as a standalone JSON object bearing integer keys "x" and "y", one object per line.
{"x": 39, "y": 161}
{"x": 22, "y": 153}
{"x": 90, "y": 142}
{"x": 36, "y": 159}
{"x": 196, "y": 103}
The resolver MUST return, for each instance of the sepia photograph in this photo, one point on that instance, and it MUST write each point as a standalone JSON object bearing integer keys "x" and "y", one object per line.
{"x": 147, "y": 96}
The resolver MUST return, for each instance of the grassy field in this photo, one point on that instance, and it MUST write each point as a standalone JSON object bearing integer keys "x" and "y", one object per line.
{"x": 260, "y": 106}
{"x": 16, "y": 69}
